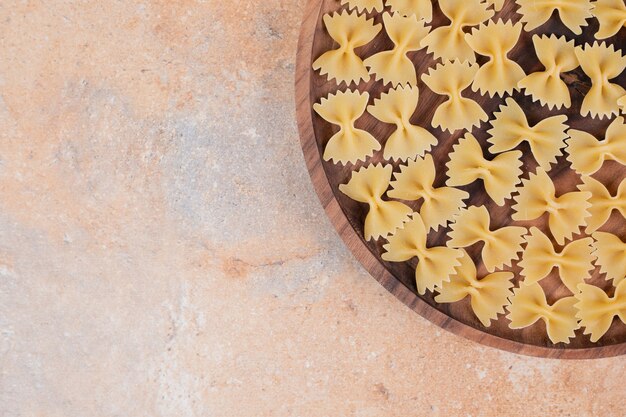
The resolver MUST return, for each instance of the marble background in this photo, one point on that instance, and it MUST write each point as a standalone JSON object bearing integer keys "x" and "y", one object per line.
{"x": 162, "y": 252}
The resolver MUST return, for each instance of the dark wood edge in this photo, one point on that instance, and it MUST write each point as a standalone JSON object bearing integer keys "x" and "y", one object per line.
{"x": 356, "y": 245}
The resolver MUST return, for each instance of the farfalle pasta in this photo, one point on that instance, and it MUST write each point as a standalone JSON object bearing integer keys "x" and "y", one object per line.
{"x": 458, "y": 112}
{"x": 499, "y": 175}
{"x": 611, "y": 15}
{"x": 535, "y": 200}
{"x": 566, "y": 214}
{"x": 434, "y": 266}
{"x": 501, "y": 246}
{"x": 601, "y": 63}
{"x": 573, "y": 13}
{"x": 495, "y": 40}
{"x": 367, "y": 185}
{"x": 587, "y": 154}
{"x": 364, "y": 5}
{"x": 408, "y": 140}
{"x": 602, "y": 202}
{"x": 529, "y": 305}
{"x": 350, "y": 31}
{"x": 510, "y": 128}
{"x": 574, "y": 261}
{"x": 558, "y": 56}
{"x": 596, "y": 309}
{"x": 349, "y": 144}
{"x": 489, "y": 295}
{"x": 415, "y": 182}
{"x": 422, "y": 9}
{"x": 393, "y": 66}
{"x": 611, "y": 253}
{"x": 448, "y": 42}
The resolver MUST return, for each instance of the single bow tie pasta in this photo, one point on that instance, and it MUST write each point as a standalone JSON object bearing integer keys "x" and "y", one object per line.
{"x": 458, "y": 112}
{"x": 349, "y": 144}
{"x": 529, "y": 305}
{"x": 596, "y": 309}
{"x": 587, "y": 154}
{"x": 499, "y": 175}
{"x": 574, "y": 262}
{"x": 573, "y": 13}
{"x": 611, "y": 253}
{"x": 367, "y": 185}
{"x": 422, "y": 9}
{"x": 510, "y": 128}
{"x": 448, "y": 42}
{"x": 415, "y": 181}
{"x": 601, "y": 63}
{"x": 603, "y": 203}
{"x": 501, "y": 246}
{"x": 611, "y": 15}
{"x": 558, "y": 56}
{"x": 350, "y": 31}
{"x": 434, "y": 266}
{"x": 408, "y": 140}
{"x": 500, "y": 75}
{"x": 394, "y": 66}
{"x": 566, "y": 214}
{"x": 489, "y": 295}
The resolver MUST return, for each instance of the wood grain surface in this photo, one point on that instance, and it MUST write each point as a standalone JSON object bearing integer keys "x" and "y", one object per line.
{"x": 347, "y": 215}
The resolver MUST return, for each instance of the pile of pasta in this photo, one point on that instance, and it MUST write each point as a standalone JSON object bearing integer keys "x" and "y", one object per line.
{"x": 574, "y": 218}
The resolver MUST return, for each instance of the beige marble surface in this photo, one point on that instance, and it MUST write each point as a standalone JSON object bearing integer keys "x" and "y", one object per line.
{"x": 162, "y": 252}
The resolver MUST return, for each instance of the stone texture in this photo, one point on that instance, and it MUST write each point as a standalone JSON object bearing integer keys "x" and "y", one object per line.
{"x": 162, "y": 252}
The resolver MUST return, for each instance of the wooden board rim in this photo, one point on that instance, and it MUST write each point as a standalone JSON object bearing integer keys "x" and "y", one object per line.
{"x": 362, "y": 252}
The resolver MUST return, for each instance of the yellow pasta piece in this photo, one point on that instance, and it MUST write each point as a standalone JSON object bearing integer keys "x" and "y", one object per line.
{"x": 457, "y": 112}
{"x": 349, "y": 144}
{"x": 587, "y": 154}
{"x": 350, "y": 31}
{"x": 501, "y": 246}
{"x": 415, "y": 182}
{"x": 500, "y": 175}
{"x": 611, "y": 15}
{"x": 408, "y": 140}
{"x": 367, "y": 185}
{"x": 611, "y": 253}
{"x": 529, "y": 304}
{"x": 422, "y": 9}
{"x": 367, "y": 5}
{"x": 434, "y": 266}
{"x": 596, "y": 309}
{"x": 448, "y": 42}
{"x": 574, "y": 262}
{"x": 558, "y": 56}
{"x": 489, "y": 295}
{"x": 394, "y": 66}
{"x": 497, "y": 4}
{"x": 566, "y": 214}
{"x": 495, "y": 40}
{"x": 602, "y": 202}
{"x": 621, "y": 103}
{"x": 601, "y": 63}
{"x": 573, "y": 13}
{"x": 510, "y": 128}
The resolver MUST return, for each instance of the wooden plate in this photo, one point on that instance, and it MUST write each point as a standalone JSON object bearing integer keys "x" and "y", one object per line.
{"x": 347, "y": 215}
